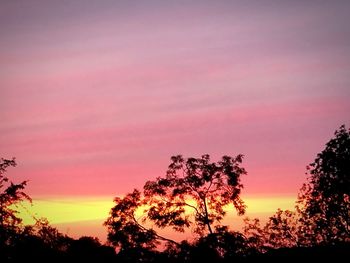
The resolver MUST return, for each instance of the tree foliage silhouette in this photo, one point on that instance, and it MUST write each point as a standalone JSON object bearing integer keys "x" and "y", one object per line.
{"x": 322, "y": 214}
{"x": 39, "y": 242}
{"x": 124, "y": 229}
{"x": 193, "y": 194}
{"x": 198, "y": 185}
{"x": 11, "y": 194}
{"x": 280, "y": 231}
{"x": 324, "y": 201}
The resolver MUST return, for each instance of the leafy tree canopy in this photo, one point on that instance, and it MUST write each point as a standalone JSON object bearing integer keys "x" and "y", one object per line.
{"x": 193, "y": 194}
{"x": 324, "y": 201}
{"x": 322, "y": 214}
{"x": 11, "y": 194}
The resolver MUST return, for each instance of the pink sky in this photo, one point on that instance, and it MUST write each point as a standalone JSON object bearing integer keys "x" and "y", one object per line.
{"x": 97, "y": 95}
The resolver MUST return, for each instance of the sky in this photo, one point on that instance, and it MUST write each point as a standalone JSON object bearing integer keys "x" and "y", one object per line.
{"x": 96, "y": 96}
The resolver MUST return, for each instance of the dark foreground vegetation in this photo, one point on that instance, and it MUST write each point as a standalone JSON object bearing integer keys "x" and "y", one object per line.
{"x": 191, "y": 197}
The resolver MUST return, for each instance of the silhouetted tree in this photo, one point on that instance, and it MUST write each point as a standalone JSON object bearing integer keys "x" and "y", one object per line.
{"x": 283, "y": 229}
{"x": 17, "y": 241}
{"x": 89, "y": 249}
{"x": 221, "y": 246}
{"x": 322, "y": 213}
{"x": 124, "y": 230}
{"x": 50, "y": 235}
{"x": 40, "y": 242}
{"x": 224, "y": 243}
{"x": 193, "y": 194}
{"x": 199, "y": 185}
{"x": 11, "y": 195}
{"x": 324, "y": 201}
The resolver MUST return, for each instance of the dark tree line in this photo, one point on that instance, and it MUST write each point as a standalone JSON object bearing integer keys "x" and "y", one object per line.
{"x": 39, "y": 242}
{"x": 194, "y": 197}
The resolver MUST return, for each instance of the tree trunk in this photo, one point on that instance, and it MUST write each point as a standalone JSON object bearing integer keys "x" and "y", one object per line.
{"x": 207, "y": 216}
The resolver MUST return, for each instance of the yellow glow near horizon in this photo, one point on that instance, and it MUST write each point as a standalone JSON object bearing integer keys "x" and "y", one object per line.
{"x": 68, "y": 209}
{"x": 257, "y": 205}
{"x": 77, "y": 209}
{"x": 78, "y": 216}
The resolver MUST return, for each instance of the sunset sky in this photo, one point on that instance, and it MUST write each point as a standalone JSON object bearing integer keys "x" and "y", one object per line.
{"x": 97, "y": 95}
